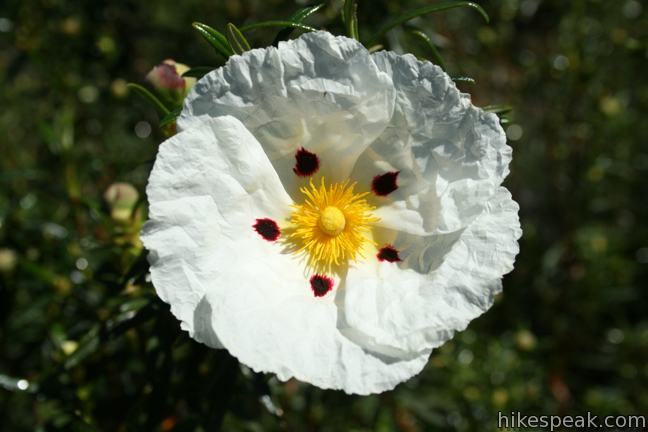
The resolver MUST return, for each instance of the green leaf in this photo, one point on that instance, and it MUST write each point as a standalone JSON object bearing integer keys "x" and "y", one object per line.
{"x": 129, "y": 316}
{"x": 150, "y": 98}
{"x": 304, "y": 13}
{"x": 297, "y": 17}
{"x": 503, "y": 111}
{"x": 350, "y": 16}
{"x": 133, "y": 305}
{"x": 237, "y": 40}
{"x": 434, "y": 52}
{"x": 136, "y": 271}
{"x": 198, "y": 71}
{"x": 87, "y": 346}
{"x": 463, "y": 79}
{"x": 277, "y": 23}
{"x": 170, "y": 117}
{"x": 437, "y": 7}
{"x": 498, "y": 109}
{"x": 215, "y": 38}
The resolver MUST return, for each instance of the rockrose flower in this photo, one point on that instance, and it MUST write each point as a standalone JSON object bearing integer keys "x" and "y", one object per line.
{"x": 329, "y": 214}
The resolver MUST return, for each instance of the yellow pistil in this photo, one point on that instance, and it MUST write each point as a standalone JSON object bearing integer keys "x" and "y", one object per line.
{"x": 332, "y": 221}
{"x": 331, "y": 226}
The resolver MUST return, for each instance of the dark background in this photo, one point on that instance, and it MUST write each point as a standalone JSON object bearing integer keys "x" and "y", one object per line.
{"x": 86, "y": 345}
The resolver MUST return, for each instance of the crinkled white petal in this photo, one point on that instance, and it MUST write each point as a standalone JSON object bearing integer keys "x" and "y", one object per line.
{"x": 230, "y": 287}
{"x": 319, "y": 91}
{"x": 270, "y": 320}
{"x": 451, "y": 155}
{"x": 208, "y": 183}
{"x": 455, "y": 228}
{"x": 443, "y": 282}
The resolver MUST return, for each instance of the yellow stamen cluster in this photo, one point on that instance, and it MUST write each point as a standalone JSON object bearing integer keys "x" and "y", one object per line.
{"x": 331, "y": 226}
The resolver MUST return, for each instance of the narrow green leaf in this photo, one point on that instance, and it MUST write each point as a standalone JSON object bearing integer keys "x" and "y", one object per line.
{"x": 434, "y": 52}
{"x": 236, "y": 39}
{"x": 133, "y": 305}
{"x": 198, "y": 71}
{"x": 150, "y": 98}
{"x": 215, "y": 38}
{"x": 437, "y": 7}
{"x": 170, "y": 117}
{"x": 304, "y": 13}
{"x": 498, "y": 109}
{"x": 463, "y": 79}
{"x": 297, "y": 17}
{"x": 118, "y": 324}
{"x": 350, "y": 16}
{"x": 138, "y": 268}
{"x": 87, "y": 346}
{"x": 277, "y": 23}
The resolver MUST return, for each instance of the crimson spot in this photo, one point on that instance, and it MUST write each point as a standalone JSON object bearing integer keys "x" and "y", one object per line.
{"x": 389, "y": 254}
{"x": 384, "y": 184}
{"x": 267, "y": 228}
{"x": 306, "y": 163}
{"x": 321, "y": 285}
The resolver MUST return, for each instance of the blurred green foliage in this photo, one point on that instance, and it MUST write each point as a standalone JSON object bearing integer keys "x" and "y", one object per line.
{"x": 86, "y": 345}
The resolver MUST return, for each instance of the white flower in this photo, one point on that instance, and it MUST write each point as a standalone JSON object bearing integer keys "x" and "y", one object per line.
{"x": 329, "y": 214}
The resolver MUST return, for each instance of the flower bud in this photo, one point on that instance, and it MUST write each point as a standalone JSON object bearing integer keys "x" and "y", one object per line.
{"x": 167, "y": 79}
{"x": 121, "y": 199}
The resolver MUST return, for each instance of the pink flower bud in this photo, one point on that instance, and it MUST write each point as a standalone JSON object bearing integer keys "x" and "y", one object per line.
{"x": 167, "y": 78}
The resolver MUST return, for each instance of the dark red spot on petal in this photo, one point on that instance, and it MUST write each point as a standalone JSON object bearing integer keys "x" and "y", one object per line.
{"x": 267, "y": 228}
{"x": 388, "y": 253}
{"x": 384, "y": 184}
{"x": 321, "y": 285}
{"x": 306, "y": 163}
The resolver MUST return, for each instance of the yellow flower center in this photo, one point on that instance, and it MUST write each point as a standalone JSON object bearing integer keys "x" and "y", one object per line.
{"x": 332, "y": 220}
{"x": 331, "y": 226}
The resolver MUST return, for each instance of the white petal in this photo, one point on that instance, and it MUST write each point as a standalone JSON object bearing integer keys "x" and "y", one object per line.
{"x": 269, "y": 319}
{"x": 455, "y": 228}
{"x": 179, "y": 237}
{"x": 451, "y": 155}
{"x": 228, "y": 286}
{"x": 443, "y": 283}
{"x": 319, "y": 91}
{"x": 208, "y": 183}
